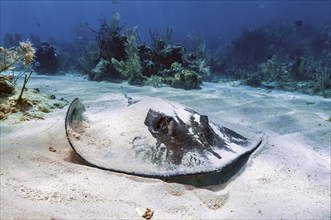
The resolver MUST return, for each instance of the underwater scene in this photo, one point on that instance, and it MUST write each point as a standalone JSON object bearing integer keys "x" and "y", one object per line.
{"x": 179, "y": 109}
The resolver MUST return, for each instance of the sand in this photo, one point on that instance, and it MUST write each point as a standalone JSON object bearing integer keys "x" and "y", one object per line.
{"x": 287, "y": 178}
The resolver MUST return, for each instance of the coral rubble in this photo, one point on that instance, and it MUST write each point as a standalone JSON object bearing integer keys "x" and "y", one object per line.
{"x": 13, "y": 105}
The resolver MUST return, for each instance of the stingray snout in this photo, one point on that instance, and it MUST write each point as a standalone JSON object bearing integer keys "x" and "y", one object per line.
{"x": 159, "y": 123}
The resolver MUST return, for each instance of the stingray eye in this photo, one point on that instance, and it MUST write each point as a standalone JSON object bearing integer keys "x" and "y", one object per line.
{"x": 168, "y": 119}
{"x": 163, "y": 123}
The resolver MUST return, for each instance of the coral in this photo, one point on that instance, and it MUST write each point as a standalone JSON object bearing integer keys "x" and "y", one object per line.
{"x": 252, "y": 45}
{"x": 130, "y": 68}
{"x": 136, "y": 79}
{"x": 34, "y": 106}
{"x": 47, "y": 59}
{"x": 273, "y": 69}
{"x": 111, "y": 44}
{"x": 120, "y": 67}
{"x": 6, "y": 86}
{"x": 177, "y": 76}
{"x": 303, "y": 69}
{"x": 323, "y": 81}
{"x": 100, "y": 72}
{"x": 171, "y": 54}
{"x": 157, "y": 38}
{"x": 198, "y": 45}
{"x": 155, "y": 81}
{"x": 11, "y": 106}
{"x": 203, "y": 70}
{"x": 176, "y": 67}
{"x": 142, "y": 65}
{"x": 28, "y": 52}
{"x": 186, "y": 79}
{"x": 254, "y": 80}
{"x": 26, "y": 79}
{"x": 11, "y": 57}
{"x": 11, "y": 97}
{"x": 89, "y": 59}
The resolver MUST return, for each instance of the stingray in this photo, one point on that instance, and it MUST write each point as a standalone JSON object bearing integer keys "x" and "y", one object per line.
{"x": 153, "y": 137}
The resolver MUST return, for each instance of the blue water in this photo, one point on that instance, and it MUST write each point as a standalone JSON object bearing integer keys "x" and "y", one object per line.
{"x": 214, "y": 20}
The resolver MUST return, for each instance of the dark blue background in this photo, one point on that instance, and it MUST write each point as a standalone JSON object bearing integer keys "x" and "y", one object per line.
{"x": 215, "y": 20}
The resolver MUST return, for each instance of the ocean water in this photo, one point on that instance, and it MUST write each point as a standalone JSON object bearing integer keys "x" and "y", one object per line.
{"x": 216, "y": 20}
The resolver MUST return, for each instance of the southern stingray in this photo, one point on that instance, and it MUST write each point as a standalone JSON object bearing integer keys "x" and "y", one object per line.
{"x": 155, "y": 138}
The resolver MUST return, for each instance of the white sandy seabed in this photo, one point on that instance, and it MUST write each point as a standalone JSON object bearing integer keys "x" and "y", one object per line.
{"x": 287, "y": 178}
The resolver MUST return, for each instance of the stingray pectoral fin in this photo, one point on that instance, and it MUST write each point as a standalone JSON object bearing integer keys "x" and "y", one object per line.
{"x": 75, "y": 112}
{"x": 75, "y": 126}
{"x": 75, "y": 120}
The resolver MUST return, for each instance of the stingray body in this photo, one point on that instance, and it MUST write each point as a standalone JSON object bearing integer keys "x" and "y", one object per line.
{"x": 155, "y": 138}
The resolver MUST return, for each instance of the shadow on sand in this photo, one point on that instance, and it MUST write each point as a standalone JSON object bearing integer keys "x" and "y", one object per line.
{"x": 215, "y": 180}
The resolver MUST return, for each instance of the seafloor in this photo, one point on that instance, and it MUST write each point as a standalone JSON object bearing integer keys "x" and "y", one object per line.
{"x": 287, "y": 178}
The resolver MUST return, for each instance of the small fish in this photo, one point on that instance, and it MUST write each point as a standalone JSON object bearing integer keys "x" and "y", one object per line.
{"x": 298, "y": 23}
{"x": 84, "y": 24}
{"x": 38, "y": 24}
